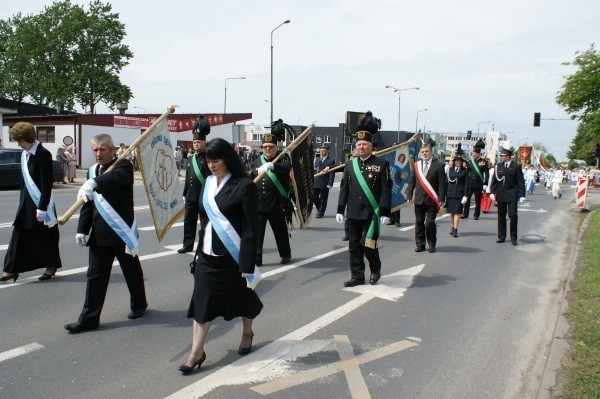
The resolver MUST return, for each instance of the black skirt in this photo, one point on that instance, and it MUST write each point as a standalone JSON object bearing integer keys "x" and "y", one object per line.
{"x": 31, "y": 249}
{"x": 453, "y": 205}
{"x": 220, "y": 290}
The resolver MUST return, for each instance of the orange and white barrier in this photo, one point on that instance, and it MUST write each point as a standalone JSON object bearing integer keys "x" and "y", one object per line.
{"x": 581, "y": 192}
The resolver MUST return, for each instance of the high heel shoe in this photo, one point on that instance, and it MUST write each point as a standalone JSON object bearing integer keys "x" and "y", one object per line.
{"x": 187, "y": 369}
{"x": 244, "y": 351}
{"x": 7, "y": 277}
{"x": 47, "y": 276}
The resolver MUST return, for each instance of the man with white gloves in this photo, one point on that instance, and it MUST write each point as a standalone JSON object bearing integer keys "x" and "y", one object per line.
{"x": 107, "y": 226}
{"x": 365, "y": 195}
{"x": 479, "y": 174}
{"x": 507, "y": 189}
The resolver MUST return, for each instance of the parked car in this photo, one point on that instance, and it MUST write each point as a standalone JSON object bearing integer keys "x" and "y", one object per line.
{"x": 10, "y": 168}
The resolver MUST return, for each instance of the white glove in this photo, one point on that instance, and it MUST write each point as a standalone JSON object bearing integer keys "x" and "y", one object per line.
{"x": 522, "y": 199}
{"x": 492, "y": 197}
{"x": 40, "y": 215}
{"x": 264, "y": 167}
{"x": 244, "y": 275}
{"x": 183, "y": 199}
{"x": 384, "y": 220}
{"x": 339, "y": 218}
{"x": 328, "y": 187}
{"x": 81, "y": 239}
{"x": 484, "y": 188}
{"x": 86, "y": 192}
{"x": 464, "y": 200}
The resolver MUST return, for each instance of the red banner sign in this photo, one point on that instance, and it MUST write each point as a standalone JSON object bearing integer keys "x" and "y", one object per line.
{"x": 131, "y": 122}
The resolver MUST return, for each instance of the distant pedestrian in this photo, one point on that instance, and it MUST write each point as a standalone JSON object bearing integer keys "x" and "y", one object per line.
{"x": 71, "y": 164}
{"x": 322, "y": 184}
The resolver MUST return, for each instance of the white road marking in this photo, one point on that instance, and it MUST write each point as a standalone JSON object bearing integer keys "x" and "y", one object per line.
{"x": 22, "y": 350}
{"x": 3, "y": 247}
{"x": 151, "y": 228}
{"x": 412, "y": 226}
{"x": 541, "y": 210}
{"x": 350, "y": 365}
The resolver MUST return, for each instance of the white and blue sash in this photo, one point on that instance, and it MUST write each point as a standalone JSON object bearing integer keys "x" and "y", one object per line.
{"x": 129, "y": 235}
{"x": 227, "y": 234}
{"x": 35, "y": 194}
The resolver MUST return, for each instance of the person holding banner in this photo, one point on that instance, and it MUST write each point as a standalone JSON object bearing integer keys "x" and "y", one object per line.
{"x": 323, "y": 183}
{"x": 226, "y": 251}
{"x": 34, "y": 240}
{"x": 195, "y": 174}
{"x": 479, "y": 174}
{"x": 507, "y": 189}
{"x": 427, "y": 190}
{"x": 365, "y": 195}
{"x": 108, "y": 228}
{"x": 274, "y": 194}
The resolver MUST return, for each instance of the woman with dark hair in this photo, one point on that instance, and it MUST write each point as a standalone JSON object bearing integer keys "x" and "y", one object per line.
{"x": 226, "y": 251}
{"x": 458, "y": 186}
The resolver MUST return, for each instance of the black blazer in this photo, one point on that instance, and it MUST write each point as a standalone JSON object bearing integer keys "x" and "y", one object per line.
{"x": 270, "y": 198}
{"x": 376, "y": 173}
{"x": 238, "y": 202}
{"x": 40, "y": 170}
{"x": 436, "y": 176}
{"x": 117, "y": 188}
{"x": 327, "y": 179}
{"x": 508, "y": 184}
{"x": 192, "y": 185}
{"x": 458, "y": 183}
{"x": 474, "y": 179}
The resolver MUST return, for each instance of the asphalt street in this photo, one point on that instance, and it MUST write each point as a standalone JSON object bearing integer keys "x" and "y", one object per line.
{"x": 472, "y": 320}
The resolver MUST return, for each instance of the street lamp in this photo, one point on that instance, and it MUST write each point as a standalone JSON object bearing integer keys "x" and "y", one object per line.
{"x": 417, "y": 123}
{"x": 226, "y": 79}
{"x": 400, "y": 92}
{"x": 278, "y": 26}
{"x": 142, "y": 108}
{"x": 478, "y": 125}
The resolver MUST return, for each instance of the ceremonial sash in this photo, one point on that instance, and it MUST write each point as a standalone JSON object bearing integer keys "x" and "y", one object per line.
{"x": 274, "y": 179}
{"x": 373, "y": 232}
{"x": 227, "y": 234}
{"x": 129, "y": 235}
{"x": 426, "y": 186}
{"x": 476, "y": 167}
{"x": 35, "y": 193}
{"x": 197, "y": 170}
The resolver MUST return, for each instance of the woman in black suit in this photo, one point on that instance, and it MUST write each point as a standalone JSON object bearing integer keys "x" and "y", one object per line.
{"x": 458, "y": 185}
{"x": 229, "y": 210}
{"x": 34, "y": 240}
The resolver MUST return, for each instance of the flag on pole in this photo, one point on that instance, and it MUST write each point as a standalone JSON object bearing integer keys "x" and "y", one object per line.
{"x": 155, "y": 156}
{"x": 491, "y": 145}
{"x": 400, "y": 159}
{"x": 301, "y": 156}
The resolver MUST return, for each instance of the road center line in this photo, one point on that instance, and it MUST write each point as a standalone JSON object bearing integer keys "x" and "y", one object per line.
{"x": 22, "y": 350}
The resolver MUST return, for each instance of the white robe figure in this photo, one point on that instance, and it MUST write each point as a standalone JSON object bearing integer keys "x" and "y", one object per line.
{"x": 529, "y": 180}
{"x": 556, "y": 181}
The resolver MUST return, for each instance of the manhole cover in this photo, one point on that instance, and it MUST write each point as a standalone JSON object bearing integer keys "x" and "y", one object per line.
{"x": 532, "y": 238}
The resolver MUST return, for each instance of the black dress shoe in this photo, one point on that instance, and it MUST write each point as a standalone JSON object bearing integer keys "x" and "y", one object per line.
{"x": 431, "y": 250}
{"x": 345, "y": 238}
{"x": 245, "y": 350}
{"x": 374, "y": 278}
{"x": 514, "y": 242}
{"x": 319, "y": 216}
{"x": 286, "y": 260}
{"x": 136, "y": 314}
{"x": 354, "y": 282}
{"x": 47, "y": 276}
{"x": 500, "y": 240}
{"x": 476, "y": 218}
{"x": 390, "y": 223}
{"x": 78, "y": 327}
{"x": 14, "y": 277}
{"x": 451, "y": 232}
{"x": 420, "y": 249}
{"x": 185, "y": 249}
{"x": 398, "y": 224}
{"x": 464, "y": 217}
{"x": 187, "y": 369}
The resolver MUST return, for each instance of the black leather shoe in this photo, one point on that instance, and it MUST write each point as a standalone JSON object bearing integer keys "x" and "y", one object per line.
{"x": 47, "y": 276}
{"x": 14, "y": 277}
{"x": 398, "y": 224}
{"x": 78, "y": 327}
{"x": 354, "y": 282}
{"x": 514, "y": 242}
{"x": 245, "y": 350}
{"x": 500, "y": 240}
{"x": 420, "y": 249}
{"x": 319, "y": 216}
{"x": 374, "y": 278}
{"x": 185, "y": 249}
{"x": 286, "y": 260}
{"x": 476, "y": 218}
{"x": 136, "y": 314}
{"x": 464, "y": 217}
{"x": 345, "y": 238}
{"x": 431, "y": 250}
{"x": 451, "y": 232}
{"x": 390, "y": 223}
{"x": 187, "y": 369}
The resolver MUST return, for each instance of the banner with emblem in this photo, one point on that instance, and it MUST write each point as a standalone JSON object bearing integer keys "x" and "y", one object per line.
{"x": 401, "y": 159}
{"x": 491, "y": 145}
{"x": 155, "y": 156}
{"x": 301, "y": 156}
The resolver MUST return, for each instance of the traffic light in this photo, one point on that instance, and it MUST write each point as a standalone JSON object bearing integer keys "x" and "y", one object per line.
{"x": 469, "y": 134}
{"x": 536, "y": 119}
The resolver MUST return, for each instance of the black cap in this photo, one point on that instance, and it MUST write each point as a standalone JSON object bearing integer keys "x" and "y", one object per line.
{"x": 269, "y": 139}
{"x": 324, "y": 146}
{"x": 480, "y": 145}
{"x": 363, "y": 135}
{"x": 506, "y": 151}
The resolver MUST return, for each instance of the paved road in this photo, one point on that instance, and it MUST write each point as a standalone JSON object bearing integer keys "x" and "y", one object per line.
{"x": 470, "y": 321}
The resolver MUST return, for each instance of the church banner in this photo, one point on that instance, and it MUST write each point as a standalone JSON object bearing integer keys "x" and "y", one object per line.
{"x": 401, "y": 159}
{"x": 301, "y": 155}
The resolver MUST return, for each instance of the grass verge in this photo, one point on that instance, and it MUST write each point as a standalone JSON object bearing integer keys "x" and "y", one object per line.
{"x": 582, "y": 364}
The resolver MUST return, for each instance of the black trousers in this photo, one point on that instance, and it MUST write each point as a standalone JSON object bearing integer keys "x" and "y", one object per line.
{"x": 478, "y": 193}
{"x": 190, "y": 222}
{"x": 98, "y": 275}
{"x": 357, "y": 231}
{"x": 320, "y": 196}
{"x": 425, "y": 227}
{"x": 511, "y": 208}
{"x": 277, "y": 220}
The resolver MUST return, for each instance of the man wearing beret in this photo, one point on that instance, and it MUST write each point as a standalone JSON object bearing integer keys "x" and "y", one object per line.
{"x": 323, "y": 183}
{"x": 365, "y": 195}
{"x": 507, "y": 189}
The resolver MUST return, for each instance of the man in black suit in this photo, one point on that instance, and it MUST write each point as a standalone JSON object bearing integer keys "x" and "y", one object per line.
{"x": 108, "y": 198}
{"x": 323, "y": 183}
{"x": 479, "y": 173}
{"x": 508, "y": 189}
{"x": 365, "y": 195}
{"x": 427, "y": 190}
{"x": 195, "y": 174}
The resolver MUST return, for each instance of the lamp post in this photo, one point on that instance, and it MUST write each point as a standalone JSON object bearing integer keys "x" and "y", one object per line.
{"x": 277, "y": 27}
{"x": 399, "y": 93}
{"x": 142, "y": 108}
{"x": 417, "y": 123}
{"x": 226, "y": 79}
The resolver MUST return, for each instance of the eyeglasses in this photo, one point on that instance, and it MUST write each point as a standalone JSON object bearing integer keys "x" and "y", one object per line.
{"x": 268, "y": 146}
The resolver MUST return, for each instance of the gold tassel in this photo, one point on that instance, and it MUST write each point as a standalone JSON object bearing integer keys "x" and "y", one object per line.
{"x": 370, "y": 243}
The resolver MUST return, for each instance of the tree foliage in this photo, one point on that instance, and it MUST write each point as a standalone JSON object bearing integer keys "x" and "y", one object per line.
{"x": 65, "y": 56}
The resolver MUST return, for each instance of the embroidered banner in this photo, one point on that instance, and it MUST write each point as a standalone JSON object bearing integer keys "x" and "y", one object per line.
{"x": 401, "y": 161}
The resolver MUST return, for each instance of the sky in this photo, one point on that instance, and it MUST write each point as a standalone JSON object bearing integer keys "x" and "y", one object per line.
{"x": 474, "y": 60}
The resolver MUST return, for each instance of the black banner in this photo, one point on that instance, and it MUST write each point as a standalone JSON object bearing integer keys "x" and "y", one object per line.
{"x": 302, "y": 179}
